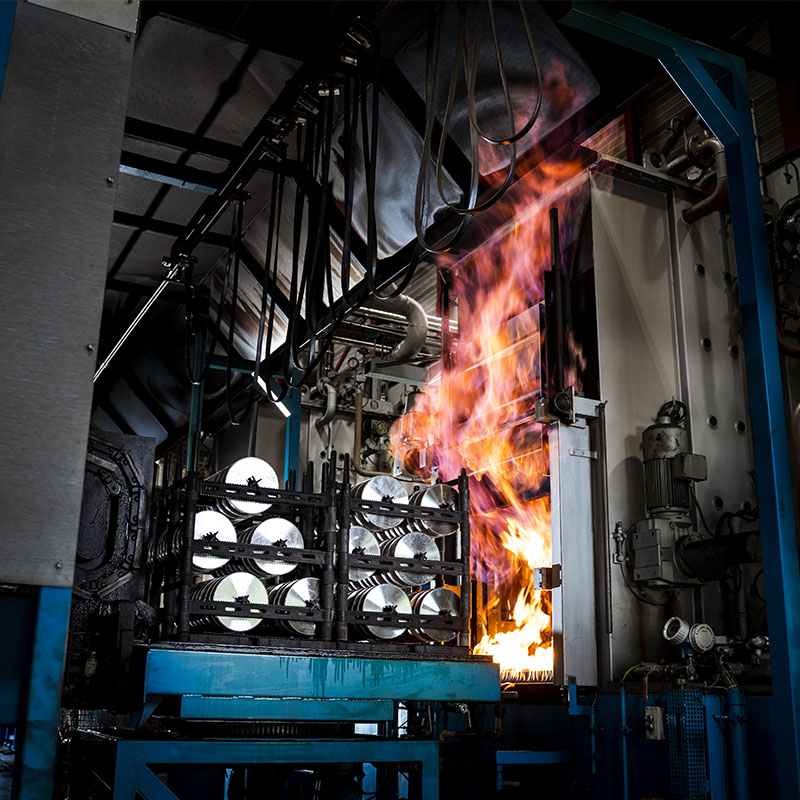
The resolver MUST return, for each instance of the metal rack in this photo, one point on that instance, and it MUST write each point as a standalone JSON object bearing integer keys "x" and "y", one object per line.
{"x": 327, "y": 553}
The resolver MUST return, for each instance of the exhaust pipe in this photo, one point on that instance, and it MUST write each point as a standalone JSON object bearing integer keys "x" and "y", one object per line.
{"x": 702, "y": 152}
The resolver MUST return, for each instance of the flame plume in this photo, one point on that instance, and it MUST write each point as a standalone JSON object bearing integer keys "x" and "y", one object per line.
{"x": 478, "y": 412}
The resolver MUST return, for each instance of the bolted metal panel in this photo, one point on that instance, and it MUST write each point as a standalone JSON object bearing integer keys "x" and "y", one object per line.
{"x": 635, "y": 305}
{"x": 61, "y": 119}
{"x": 574, "y": 614}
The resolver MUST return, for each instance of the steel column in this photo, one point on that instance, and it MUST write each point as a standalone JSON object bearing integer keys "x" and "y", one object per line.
{"x": 7, "y": 11}
{"x": 37, "y": 730}
{"x": 715, "y": 748}
{"x": 715, "y": 83}
{"x": 292, "y": 449}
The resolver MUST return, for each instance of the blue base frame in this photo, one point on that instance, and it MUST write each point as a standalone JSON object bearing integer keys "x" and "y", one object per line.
{"x": 135, "y": 759}
{"x": 37, "y": 726}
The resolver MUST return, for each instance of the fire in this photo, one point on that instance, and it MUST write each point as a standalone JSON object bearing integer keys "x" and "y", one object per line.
{"x": 478, "y": 412}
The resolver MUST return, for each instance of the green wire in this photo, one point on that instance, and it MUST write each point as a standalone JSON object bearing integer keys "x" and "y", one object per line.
{"x": 628, "y": 672}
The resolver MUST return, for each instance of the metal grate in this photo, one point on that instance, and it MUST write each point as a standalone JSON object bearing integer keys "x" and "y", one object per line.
{"x": 687, "y": 750}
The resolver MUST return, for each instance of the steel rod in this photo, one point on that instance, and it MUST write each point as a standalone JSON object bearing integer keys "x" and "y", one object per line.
{"x": 171, "y": 275}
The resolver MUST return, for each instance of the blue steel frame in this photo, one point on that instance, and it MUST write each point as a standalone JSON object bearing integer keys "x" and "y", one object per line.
{"x": 239, "y": 681}
{"x": 133, "y": 772}
{"x": 715, "y": 83}
{"x": 8, "y": 8}
{"x": 37, "y": 726}
{"x": 292, "y": 402}
{"x": 265, "y": 686}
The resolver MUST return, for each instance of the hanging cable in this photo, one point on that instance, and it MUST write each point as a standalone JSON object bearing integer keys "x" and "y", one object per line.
{"x": 269, "y": 284}
{"x": 434, "y": 50}
{"x": 349, "y": 147}
{"x": 514, "y": 137}
{"x": 190, "y": 334}
{"x": 470, "y": 71}
{"x": 238, "y": 215}
{"x": 369, "y": 137}
{"x": 470, "y": 68}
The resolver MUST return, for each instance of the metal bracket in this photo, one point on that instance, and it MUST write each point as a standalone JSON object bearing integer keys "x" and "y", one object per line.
{"x": 546, "y": 578}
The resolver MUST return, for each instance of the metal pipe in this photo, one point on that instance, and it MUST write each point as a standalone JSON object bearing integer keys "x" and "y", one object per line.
{"x": 558, "y": 301}
{"x": 605, "y": 525}
{"x": 719, "y": 197}
{"x": 737, "y": 745}
{"x": 328, "y": 580}
{"x": 330, "y": 406}
{"x": 741, "y": 611}
{"x": 367, "y": 473}
{"x": 417, "y": 325}
{"x": 342, "y": 551}
{"x": 171, "y": 275}
{"x": 193, "y": 485}
{"x": 677, "y": 165}
{"x": 624, "y": 743}
{"x": 466, "y": 556}
{"x": 434, "y": 322}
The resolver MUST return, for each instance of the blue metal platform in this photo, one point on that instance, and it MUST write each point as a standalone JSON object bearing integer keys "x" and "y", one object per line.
{"x": 237, "y": 684}
{"x": 226, "y": 684}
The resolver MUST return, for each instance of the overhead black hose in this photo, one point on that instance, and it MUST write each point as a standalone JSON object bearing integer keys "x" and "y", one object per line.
{"x": 238, "y": 224}
{"x": 435, "y": 34}
{"x": 469, "y": 74}
{"x": 514, "y": 137}
{"x": 270, "y": 270}
{"x": 290, "y": 359}
{"x": 190, "y": 334}
{"x": 349, "y": 146}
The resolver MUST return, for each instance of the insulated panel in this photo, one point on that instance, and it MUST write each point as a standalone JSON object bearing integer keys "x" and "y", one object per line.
{"x": 714, "y": 362}
{"x": 639, "y": 370}
{"x": 61, "y": 119}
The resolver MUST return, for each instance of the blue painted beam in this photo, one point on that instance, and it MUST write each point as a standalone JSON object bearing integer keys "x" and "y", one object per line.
{"x": 195, "y": 706}
{"x": 8, "y": 8}
{"x": 37, "y": 729}
{"x": 507, "y": 757}
{"x": 715, "y": 747}
{"x": 177, "y": 671}
{"x": 727, "y": 114}
{"x": 133, "y": 774}
{"x": 291, "y": 460}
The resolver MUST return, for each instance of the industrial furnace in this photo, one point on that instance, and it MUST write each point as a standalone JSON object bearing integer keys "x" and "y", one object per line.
{"x": 439, "y": 452}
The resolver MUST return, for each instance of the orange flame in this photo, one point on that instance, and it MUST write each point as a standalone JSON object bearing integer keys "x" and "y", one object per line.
{"x": 478, "y": 412}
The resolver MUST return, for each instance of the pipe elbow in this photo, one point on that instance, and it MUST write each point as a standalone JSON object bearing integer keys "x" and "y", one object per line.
{"x": 330, "y": 406}
{"x": 417, "y": 325}
{"x": 718, "y": 199}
